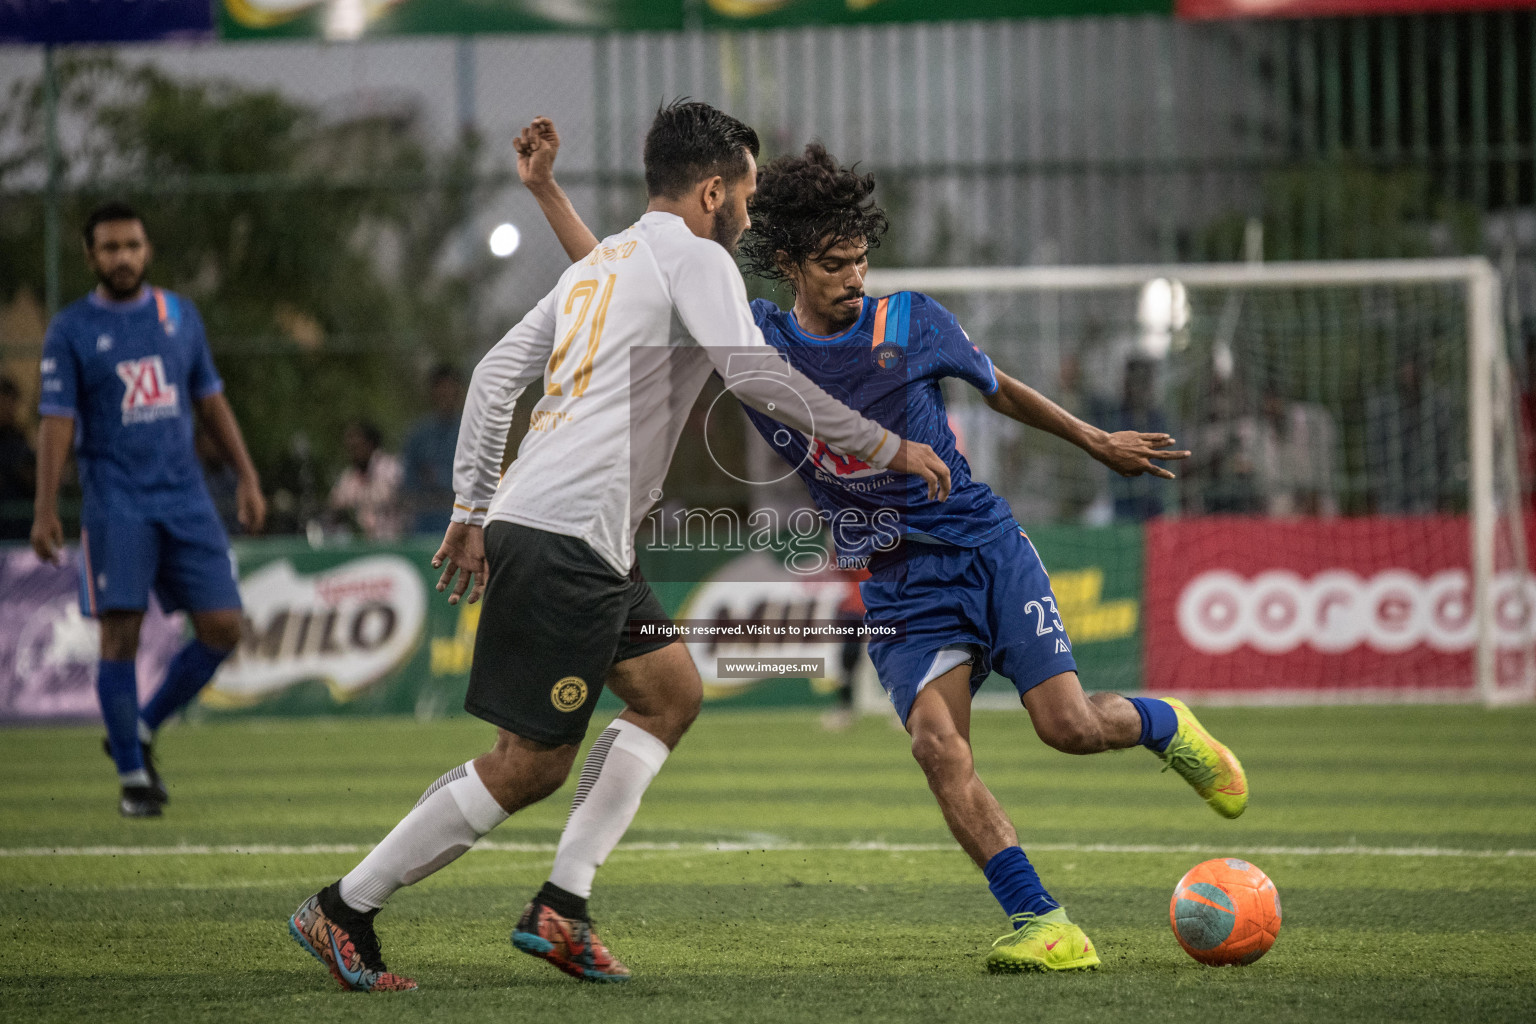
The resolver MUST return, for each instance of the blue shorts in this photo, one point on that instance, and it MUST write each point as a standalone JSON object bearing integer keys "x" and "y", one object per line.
{"x": 183, "y": 555}
{"x": 994, "y": 599}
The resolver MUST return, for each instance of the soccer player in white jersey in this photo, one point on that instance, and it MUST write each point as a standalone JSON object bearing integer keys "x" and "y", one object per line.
{"x": 623, "y": 346}
{"x": 964, "y": 577}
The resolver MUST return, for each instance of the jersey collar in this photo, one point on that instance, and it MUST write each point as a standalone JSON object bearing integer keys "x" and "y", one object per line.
{"x": 801, "y": 334}
{"x": 139, "y": 301}
{"x": 663, "y": 217}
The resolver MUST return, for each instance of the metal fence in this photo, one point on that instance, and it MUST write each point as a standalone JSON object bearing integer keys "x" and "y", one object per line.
{"x": 1120, "y": 139}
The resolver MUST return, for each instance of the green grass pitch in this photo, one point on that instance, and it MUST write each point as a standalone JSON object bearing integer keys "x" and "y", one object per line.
{"x": 793, "y": 921}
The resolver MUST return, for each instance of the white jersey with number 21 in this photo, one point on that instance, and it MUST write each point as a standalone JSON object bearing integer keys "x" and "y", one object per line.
{"x": 623, "y": 345}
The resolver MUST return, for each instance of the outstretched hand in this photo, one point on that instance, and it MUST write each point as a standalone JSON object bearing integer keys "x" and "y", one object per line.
{"x": 1130, "y": 453}
{"x": 536, "y": 147}
{"x": 462, "y": 554}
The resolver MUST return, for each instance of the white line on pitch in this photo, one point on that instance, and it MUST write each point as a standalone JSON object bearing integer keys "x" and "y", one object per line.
{"x": 729, "y": 846}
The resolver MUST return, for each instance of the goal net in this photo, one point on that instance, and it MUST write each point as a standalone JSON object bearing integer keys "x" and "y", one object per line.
{"x": 1351, "y": 525}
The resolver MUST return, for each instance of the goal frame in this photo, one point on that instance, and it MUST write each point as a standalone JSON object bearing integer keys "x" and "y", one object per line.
{"x": 1488, "y": 376}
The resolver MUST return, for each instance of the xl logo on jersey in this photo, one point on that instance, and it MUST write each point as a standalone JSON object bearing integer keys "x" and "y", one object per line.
{"x": 838, "y": 464}
{"x": 148, "y": 396}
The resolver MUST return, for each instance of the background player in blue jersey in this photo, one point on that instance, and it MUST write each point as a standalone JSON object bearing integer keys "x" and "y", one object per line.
{"x": 962, "y": 577}
{"x": 123, "y": 369}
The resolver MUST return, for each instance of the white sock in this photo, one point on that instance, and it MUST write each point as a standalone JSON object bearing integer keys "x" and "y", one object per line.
{"x": 619, "y": 767}
{"x": 455, "y": 811}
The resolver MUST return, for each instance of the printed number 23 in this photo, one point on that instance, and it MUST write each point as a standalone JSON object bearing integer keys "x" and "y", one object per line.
{"x": 1041, "y": 628}
{"x": 583, "y": 292}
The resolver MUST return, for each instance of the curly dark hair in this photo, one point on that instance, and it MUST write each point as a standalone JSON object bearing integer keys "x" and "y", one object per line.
{"x": 806, "y": 205}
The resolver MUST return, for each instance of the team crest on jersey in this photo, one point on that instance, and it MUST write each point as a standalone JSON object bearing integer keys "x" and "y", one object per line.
{"x": 148, "y": 395}
{"x": 838, "y": 464}
{"x": 889, "y": 356}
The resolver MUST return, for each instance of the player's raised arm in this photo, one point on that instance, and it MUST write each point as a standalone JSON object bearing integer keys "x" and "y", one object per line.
{"x": 536, "y": 147}
{"x": 1127, "y": 452}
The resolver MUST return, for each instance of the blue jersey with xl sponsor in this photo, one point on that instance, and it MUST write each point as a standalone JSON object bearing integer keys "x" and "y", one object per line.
{"x": 128, "y": 374}
{"x": 887, "y": 366}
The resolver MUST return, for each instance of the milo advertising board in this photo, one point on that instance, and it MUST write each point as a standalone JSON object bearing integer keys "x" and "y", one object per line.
{"x": 335, "y": 629}
{"x": 360, "y": 629}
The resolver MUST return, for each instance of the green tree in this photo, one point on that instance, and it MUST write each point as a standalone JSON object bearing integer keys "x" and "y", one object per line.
{"x": 1348, "y": 208}
{"x": 326, "y": 254}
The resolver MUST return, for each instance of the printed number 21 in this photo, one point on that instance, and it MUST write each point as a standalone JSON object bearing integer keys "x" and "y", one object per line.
{"x": 1041, "y": 628}
{"x": 583, "y": 292}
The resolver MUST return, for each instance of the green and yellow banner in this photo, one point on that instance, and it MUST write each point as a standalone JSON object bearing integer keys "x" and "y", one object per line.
{"x": 360, "y": 629}
{"x": 350, "y": 19}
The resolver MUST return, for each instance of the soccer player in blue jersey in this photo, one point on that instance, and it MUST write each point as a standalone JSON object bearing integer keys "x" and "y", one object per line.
{"x": 122, "y": 371}
{"x": 961, "y": 577}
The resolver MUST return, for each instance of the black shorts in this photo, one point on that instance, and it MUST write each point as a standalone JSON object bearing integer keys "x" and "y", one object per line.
{"x": 554, "y": 622}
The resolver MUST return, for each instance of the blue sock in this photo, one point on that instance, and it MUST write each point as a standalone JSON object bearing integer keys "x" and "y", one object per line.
{"x": 117, "y": 687}
{"x": 190, "y": 671}
{"x": 1158, "y": 722}
{"x": 1012, "y": 879}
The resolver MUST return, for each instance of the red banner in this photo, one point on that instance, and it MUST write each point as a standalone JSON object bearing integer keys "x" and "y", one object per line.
{"x": 1243, "y": 606}
{"x": 1202, "y": 10}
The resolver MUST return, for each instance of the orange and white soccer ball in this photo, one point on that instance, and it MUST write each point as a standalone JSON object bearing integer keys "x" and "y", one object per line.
{"x": 1225, "y": 912}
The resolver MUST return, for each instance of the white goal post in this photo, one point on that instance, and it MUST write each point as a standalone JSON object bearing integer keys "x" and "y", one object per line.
{"x": 1494, "y": 496}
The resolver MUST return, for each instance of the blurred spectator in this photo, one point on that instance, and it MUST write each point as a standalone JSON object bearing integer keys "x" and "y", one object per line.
{"x": 1136, "y": 498}
{"x": 428, "y": 454}
{"x": 18, "y": 467}
{"x": 1415, "y": 449}
{"x": 298, "y": 498}
{"x": 1079, "y": 480}
{"x": 368, "y": 490}
{"x": 1297, "y": 445}
{"x": 1222, "y": 473}
{"x": 1278, "y": 462}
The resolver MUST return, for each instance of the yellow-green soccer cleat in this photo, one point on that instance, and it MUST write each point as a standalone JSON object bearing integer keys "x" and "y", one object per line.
{"x": 1045, "y": 942}
{"x": 1206, "y": 765}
